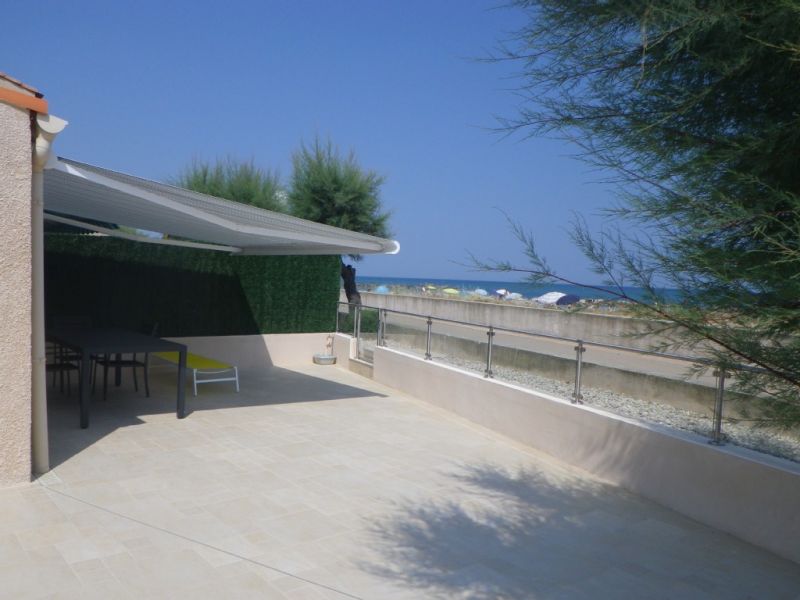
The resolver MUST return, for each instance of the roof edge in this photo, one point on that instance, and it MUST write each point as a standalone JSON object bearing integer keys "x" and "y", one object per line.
{"x": 21, "y": 84}
{"x": 21, "y": 100}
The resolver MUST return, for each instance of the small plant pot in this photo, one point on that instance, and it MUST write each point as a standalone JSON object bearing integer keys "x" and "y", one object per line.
{"x": 324, "y": 359}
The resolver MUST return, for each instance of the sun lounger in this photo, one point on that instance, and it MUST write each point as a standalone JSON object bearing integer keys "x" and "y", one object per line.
{"x": 202, "y": 366}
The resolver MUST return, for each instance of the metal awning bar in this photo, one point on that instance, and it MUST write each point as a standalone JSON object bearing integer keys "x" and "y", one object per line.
{"x": 87, "y": 192}
{"x": 137, "y": 238}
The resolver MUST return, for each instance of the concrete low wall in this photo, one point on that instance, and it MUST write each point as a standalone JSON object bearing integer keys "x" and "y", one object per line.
{"x": 610, "y": 329}
{"x": 344, "y": 346}
{"x": 749, "y": 495}
{"x": 256, "y": 351}
{"x": 607, "y": 329}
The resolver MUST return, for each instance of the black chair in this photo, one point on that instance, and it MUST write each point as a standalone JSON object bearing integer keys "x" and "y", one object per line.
{"x": 60, "y": 359}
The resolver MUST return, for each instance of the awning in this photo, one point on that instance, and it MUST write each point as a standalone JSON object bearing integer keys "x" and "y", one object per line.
{"x": 75, "y": 192}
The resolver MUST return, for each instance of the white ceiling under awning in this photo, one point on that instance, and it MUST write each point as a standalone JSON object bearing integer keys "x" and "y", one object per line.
{"x": 83, "y": 192}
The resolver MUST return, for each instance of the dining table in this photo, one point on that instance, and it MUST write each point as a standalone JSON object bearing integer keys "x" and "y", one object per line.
{"x": 88, "y": 343}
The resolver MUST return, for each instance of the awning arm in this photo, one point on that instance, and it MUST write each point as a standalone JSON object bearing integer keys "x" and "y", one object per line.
{"x": 139, "y": 238}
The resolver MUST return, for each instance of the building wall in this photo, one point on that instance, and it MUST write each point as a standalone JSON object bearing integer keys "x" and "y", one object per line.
{"x": 15, "y": 295}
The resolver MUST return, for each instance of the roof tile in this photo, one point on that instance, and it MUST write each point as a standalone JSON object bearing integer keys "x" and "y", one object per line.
{"x": 24, "y": 86}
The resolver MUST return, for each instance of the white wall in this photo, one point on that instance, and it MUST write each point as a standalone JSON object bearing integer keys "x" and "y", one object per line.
{"x": 258, "y": 351}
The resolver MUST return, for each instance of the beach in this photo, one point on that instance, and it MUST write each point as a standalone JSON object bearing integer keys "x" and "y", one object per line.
{"x": 518, "y": 293}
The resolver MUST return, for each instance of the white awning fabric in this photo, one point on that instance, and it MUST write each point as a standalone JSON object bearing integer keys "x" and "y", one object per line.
{"x": 75, "y": 192}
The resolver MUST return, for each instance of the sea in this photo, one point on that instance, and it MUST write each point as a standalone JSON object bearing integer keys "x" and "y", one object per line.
{"x": 528, "y": 290}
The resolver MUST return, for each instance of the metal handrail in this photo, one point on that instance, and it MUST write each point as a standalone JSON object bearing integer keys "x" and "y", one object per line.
{"x": 693, "y": 359}
{"x": 580, "y": 347}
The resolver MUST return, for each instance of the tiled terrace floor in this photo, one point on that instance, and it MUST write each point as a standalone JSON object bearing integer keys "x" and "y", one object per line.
{"x": 316, "y": 483}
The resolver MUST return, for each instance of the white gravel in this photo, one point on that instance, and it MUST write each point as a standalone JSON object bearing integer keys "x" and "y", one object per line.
{"x": 768, "y": 441}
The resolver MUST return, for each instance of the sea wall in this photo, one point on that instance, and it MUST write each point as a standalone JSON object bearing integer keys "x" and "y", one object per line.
{"x": 607, "y": 329}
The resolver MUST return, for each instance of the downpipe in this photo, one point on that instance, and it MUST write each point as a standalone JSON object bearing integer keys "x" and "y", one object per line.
{"x": 47, "y": 127}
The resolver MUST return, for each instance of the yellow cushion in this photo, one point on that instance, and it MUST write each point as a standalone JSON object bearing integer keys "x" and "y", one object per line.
{"x": 194, "y": 361}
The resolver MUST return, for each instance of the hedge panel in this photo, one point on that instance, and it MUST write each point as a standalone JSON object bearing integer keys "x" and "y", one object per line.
{"x": 188, "y": 292}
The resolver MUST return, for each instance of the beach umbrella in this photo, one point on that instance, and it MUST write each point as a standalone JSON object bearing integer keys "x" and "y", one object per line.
{"x": 549, "y": 298}
{"x": 480, "y": 292}
{"x": 567, "y": 299}
{"x": 451, "y": 291}
{"x": 514, "y": 296}
{"x": 382, "y": 289}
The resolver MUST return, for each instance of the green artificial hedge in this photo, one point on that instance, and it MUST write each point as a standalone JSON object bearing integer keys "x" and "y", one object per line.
{"x": 187, "y": 292}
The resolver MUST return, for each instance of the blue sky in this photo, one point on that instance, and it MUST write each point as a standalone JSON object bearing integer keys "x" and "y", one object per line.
{"x": 148, "y": 86}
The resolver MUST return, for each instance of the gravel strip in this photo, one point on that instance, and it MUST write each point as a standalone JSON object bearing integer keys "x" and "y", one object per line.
{"x": 768, "y": 441}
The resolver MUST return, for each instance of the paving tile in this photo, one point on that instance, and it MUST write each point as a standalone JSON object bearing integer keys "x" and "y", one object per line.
{"x": 315, "y": 483}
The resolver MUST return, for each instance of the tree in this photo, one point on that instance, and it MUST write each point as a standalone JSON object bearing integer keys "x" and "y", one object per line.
{"x": 239, "y": 181}
{"x": 335, "y": 190}
{"x": 693, "y": 105}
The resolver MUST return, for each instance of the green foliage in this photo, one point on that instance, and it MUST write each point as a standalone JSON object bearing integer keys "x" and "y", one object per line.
{"x": 239, "y": 181}
{"x": 333, "y": 190}
{"x": 694, "y": 106}
{"x": 188, "y": 292}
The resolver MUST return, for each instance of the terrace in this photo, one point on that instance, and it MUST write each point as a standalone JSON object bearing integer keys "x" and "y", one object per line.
{"x": 411, "y": 480}
{"x": 415, "y": 480}
{"x": 314, "y": 482}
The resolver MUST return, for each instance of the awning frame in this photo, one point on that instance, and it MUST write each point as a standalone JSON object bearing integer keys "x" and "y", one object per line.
{"x": 79, "y": 192}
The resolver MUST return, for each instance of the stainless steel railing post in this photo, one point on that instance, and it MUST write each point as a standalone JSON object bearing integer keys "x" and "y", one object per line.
{"x": 577, "y": 397}
{"x": 716, "y": 432}
{"x": 337, "y": 318}
{"x": 489, "y": 345}
{"x": 428, "y": 339}
{"x": 381, "y": 327}
{"x": 357, "y": 330}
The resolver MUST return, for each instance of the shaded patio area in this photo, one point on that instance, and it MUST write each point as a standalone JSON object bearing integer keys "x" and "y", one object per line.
{"x": 316, "y": 483}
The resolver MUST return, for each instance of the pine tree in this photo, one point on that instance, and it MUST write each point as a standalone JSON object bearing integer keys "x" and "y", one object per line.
{"x": 239, "y": 181}
{"x": 328, "y": 188}
{"x": 333, "y": 190}
{"x": 694, "y": 105}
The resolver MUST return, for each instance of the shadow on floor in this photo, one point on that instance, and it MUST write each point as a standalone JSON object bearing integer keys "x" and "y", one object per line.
{"x": 124, "y": 407}
{"x": 527, "y": 534}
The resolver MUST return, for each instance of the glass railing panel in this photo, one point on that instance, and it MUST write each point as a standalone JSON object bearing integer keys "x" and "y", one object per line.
{"x": 537, "y": 363}
{"x": 345, "y": 319}
{"x": 654, "y": 389}
{"x": 367, "y": 329}
{"x": 405, "y": 333}
{"x": 457, "y": 345}
{"x": 756, "y": 423}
